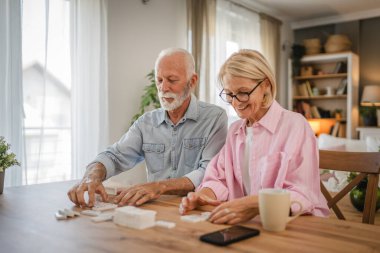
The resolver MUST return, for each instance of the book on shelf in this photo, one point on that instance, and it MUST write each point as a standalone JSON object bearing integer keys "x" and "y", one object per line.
{"x": 335, "y": 129}
{"x": 298, "y": 107}
{"x": 308, "y": 88}
{"x": 315, "y": 112}
{"x": 302, "y": 90}
{"x": 306, "y": 110}
{"x": 342, "y": 88}
{"x": 342, "y": 130}
{"x": 295, "y": 90}
{"x": 340, "y": 67}
{"x": 324, "y": 113}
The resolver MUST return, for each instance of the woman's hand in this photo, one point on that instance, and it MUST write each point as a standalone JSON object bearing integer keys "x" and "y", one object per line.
{"x": 235, "y": 211}
{"x": 194, "y": 199}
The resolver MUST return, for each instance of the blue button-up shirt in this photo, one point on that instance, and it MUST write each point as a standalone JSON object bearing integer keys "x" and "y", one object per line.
{"x": 170, "y": 151}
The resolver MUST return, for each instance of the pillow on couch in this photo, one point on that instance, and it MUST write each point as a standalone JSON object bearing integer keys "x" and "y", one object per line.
{"x": 334, "y": 181}
{"x": 329, "y": 142}
{"x": 373, "y": 143}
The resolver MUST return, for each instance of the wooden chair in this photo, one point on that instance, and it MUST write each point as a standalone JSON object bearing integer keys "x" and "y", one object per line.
{"x": 367, "y": 164}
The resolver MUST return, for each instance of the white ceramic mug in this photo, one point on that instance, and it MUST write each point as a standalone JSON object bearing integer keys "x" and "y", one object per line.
{"x": 274, "y": 207}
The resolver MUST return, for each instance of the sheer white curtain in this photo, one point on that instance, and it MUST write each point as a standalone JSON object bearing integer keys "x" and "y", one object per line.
{"x": 11, "y": 110}
{"x": 237, "y": 27}
{"x": 46, "y": 90}
{"x": 89, "y": 81}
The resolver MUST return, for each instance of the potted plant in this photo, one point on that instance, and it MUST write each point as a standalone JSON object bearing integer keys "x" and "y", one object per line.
{"x": 7, "y": 159}
{"x": 357, "y": 195}
{"x": 297, "y": 52}
{"x": 368, "y": 114}
{"x": 150, "y": 98}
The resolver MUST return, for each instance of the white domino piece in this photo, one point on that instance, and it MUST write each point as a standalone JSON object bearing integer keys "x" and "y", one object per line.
{"x": 103, "y": 206}
{"x": 90, "y": 212}
{"x": 111, "y": 190}
{"x": 193, "y": 218}
{"x": 103, "y": 217}
{"x": 133, "y": 217}
{"x": 59, "y": 215}
{"x": 69, "y": 213}
{"x": 206, "y": 215}
{"x": 165, "y": 224}
{"x": 63, "y": 214}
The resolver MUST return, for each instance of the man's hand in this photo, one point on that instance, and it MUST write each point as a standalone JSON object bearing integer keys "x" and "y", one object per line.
{"x": 195, "y": 199}
{"x": 235, "y": 211}
{"x": 92, "y": 183}
{"x": 138, "y": 194}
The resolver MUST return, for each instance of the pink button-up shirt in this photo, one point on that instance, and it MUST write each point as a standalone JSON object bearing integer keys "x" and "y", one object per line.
{"x": 284, "y": 154}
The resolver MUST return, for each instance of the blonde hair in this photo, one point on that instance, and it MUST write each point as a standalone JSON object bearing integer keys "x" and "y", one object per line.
{"x": 249, "y": 64}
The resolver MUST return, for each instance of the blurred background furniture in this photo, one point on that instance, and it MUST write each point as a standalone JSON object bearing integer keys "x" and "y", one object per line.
{"x": 371, "y": 97}
{"x": 366, "y": 164}
{"x": 368, "y": 131}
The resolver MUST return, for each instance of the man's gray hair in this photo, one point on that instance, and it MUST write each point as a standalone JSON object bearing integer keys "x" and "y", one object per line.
{"x": 189, "y": 59}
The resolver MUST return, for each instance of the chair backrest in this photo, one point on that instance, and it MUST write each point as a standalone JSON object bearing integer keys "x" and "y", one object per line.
{"x": 366, "y": 164}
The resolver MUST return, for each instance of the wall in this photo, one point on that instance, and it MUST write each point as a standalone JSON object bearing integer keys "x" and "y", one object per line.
{"x": 369, "y": 51}
{"x": 136, "y": 34}
{"x": 282, "y": 80}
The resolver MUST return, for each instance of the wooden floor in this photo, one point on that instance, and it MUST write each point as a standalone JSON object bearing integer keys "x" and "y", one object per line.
{"x": 351, "y": 213}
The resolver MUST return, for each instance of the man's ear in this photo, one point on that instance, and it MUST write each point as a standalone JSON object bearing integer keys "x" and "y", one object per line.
{"x": 193, "y": 81}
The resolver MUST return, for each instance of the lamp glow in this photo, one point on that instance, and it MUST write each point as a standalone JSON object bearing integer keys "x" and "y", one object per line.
{"x": 371, "y": 95}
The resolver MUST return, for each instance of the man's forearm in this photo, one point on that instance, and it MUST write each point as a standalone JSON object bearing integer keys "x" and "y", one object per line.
{"x": 176, "y": 186}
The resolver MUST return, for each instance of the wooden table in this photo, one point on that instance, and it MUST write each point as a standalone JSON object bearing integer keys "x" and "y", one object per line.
{"x": 27, "y": 224}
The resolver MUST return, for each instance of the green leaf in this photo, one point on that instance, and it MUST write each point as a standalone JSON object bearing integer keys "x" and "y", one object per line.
{"x": 149, "y": 98}
{"x": 6, "y": 159}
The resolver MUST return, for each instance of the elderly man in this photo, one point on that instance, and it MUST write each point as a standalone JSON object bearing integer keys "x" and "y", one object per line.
{"x": 177, "y": 141}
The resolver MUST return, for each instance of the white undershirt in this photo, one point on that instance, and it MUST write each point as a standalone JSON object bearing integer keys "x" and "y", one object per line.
{"x": 246, "y": 161}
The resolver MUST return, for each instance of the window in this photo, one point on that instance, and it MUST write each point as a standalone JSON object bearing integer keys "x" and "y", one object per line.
{"x": 236, "y": 28}
{"x": 47, "y": 90}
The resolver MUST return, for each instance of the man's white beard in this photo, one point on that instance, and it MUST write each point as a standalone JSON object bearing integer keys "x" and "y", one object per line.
{"x": 178, "y": 99}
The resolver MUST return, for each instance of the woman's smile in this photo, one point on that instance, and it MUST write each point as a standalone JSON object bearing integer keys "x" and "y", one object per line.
{"x": 242, "y": 107}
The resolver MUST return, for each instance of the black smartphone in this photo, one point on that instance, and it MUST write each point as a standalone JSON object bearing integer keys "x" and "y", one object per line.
{"x": 229, "y": 235}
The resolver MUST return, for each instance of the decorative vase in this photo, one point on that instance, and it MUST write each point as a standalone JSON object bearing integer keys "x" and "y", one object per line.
{"x": 357, "y": 196}
{"x": 2, "y": 174}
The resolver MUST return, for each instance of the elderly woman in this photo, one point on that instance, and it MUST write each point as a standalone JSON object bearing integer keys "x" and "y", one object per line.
{"x": 270, "y": 147}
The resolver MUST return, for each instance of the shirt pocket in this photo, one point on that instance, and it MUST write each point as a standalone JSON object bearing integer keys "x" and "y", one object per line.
{"x": 192, "y": 150}
{"x": 273, "y": 170}
{"x": 154, "y": 156}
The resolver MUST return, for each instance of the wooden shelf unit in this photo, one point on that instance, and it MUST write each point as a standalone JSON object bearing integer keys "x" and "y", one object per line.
{"x": 325, "y": 65}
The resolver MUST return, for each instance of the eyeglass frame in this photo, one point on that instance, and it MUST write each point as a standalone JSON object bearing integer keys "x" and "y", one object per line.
{"x": 241, "y": 93}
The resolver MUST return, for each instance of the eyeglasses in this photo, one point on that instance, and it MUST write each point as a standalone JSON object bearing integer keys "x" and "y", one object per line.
{"x": 241, "y": 96}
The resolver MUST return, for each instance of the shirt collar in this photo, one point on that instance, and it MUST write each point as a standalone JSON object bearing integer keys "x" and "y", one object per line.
{"x": 269, "y": 121}
{"x": 192, "y": 112}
